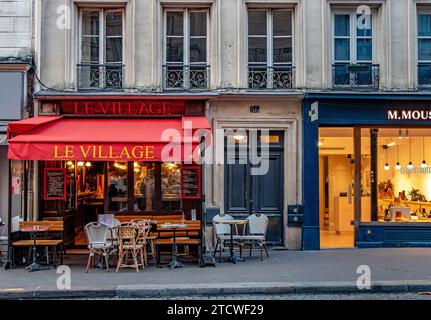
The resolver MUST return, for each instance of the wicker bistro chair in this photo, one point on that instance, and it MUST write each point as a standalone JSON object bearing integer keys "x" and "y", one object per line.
{"x": 147, "y": 239}
{"x": 3, "y": 241}
{"x": 98, "y": 243}
{"x": 222, "y": 234}
{"x": 129, "y": 245}
{"x": 257, "y": 226}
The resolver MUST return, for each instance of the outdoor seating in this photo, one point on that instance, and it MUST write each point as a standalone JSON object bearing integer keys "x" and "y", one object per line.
{"x": 128, "y": 245}
{"x": 3, "y": 240}
{"x": 98, "y": 243}
{"x": 257, "y": 226}
{"x": 222, "y": 234}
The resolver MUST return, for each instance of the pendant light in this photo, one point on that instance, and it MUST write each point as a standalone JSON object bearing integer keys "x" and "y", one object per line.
{"x": 400, "y": 134}
{"x": 424, "y": 163}
{"x": 410, "y": 165}
{"x": 386, "y": 167}
{"x": 398, "y": 165}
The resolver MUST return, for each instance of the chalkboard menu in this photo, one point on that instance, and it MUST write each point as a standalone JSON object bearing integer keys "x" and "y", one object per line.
{"x": 191, "y": 182}
{"x": 54, "y": 185}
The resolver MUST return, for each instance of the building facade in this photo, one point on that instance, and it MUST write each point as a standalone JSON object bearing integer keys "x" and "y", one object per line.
{"x": 278, "y": 73}
{"x": 16, "y": 88}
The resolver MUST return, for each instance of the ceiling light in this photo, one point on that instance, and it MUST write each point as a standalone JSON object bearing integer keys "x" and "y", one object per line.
{"x": 80, "y": 163}
{"x": 424, "y": 164}
{"x": 398, "y": 166}
{"x": 410, "y": 166}
{"x": 387, "y": 167}
{"x": 88, "y": 164}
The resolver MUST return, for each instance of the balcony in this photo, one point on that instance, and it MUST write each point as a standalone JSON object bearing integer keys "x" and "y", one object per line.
{"x": 424, "y": 75}
{"x": 263, "y": 77}
{"x": 346, "y": 76}
{"x": 184, "y": 77}
{"x": 100, "y": 76}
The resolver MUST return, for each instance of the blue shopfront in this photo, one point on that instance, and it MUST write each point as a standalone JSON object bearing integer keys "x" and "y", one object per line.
{"x": 366, "y": 170}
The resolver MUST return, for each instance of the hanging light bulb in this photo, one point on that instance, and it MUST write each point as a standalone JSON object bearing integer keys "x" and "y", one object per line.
{"x": 387, "y": 167}
{"x": 88, "y": 164}
{"x": 407, "y": 134}
{"x": 400, "y": 134}
{"x": 398, "y": 166}
{"x": 80, "y": 163}
{"x": 424, "y": 164}
{"x": 410, "y": 166}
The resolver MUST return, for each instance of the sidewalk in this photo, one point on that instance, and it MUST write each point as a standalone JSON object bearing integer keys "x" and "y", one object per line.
{"x": 392, "y": 270}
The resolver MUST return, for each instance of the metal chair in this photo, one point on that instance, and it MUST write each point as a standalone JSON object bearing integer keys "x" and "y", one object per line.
{"x": 3, "y": 241}
{"x": 257, "y": 226}
{"x": 222, "y": 233}
{"x": 127, "y": 237}
{"x": 98, "y": 243}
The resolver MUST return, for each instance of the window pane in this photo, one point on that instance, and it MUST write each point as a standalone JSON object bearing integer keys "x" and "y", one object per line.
{"x": 174, "y": 50}
{"x": 365, "y": 32}
{"x": 144, "y": 186}
{"x": 171, "y": 187}
{"x": 256, "y": 22}
{"x": 364, "y": 50}
{"x": 424, "y": 25}
{"x": 424, "y": 49}
{"x": 114, "y": 24}
{"x": 256, "y": 49}
{"x": 283, "y": 50}
{"x": 198, "y": 24}
{"x": 117, "y": 186}
{"x": 114, "y": 47}
{"x": 90, "y": 49}
{"x": 90, "y": 23}
{"x": 174, "y": 24}
{"x": 342, "y": 25}
{"x": 282, "y": 23}
{"x": 342, "y": 49}
{"x": 198, "y": 50}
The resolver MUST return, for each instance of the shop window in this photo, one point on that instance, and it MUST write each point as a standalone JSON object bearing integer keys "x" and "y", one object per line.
{"x": 353, "y": 51}
{"x": 101, "y": 49}
{"x": 270, "y": 49}
{"x": 144, "y": 187}
{"x": 424, "y": 49}
{"x": 186, "y": 50}
{"x": 171, "y": 187}
{"x": 117, "y": 186}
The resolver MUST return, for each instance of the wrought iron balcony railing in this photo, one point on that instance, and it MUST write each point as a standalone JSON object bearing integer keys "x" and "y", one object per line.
{"x": 184, "y": 77}
{"x": 100, "y": 76}
{"x": 278, "y": 77}
{"x": 355, "y": 76}
{"x": 424, "y": 75}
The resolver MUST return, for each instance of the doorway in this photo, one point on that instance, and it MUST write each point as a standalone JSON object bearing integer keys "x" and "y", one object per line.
{"x": 336, "y": 187}
{"x": 246, "y": 192}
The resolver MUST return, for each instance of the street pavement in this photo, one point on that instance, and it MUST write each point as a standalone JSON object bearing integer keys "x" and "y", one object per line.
{"x": 392, "y": 270}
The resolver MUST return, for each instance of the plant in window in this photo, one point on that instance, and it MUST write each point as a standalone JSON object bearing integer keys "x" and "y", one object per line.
{"x": 416, "y": 195}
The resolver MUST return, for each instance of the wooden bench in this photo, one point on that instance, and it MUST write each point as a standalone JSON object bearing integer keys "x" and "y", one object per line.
{"x": 51, "y": 241}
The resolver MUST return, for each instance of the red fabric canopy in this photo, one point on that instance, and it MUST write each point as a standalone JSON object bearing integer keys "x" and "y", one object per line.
{"x": 58, "y": 138}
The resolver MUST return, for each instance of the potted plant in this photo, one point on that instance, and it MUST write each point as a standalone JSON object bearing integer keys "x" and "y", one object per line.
{"x": 416, "y": 195}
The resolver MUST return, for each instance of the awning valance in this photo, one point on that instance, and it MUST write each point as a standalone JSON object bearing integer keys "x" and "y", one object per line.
{"x": 60, "y": 138}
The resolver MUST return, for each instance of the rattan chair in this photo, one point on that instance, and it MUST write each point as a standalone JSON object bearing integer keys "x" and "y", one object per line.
{"x": 128, "y": 245}
{"x": 98, "y": 243}
{"x": 222, "y": 233}
{"x": 257, "y": 226}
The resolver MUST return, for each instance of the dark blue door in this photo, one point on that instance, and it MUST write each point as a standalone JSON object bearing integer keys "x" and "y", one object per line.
{"x": 246, "y": 194}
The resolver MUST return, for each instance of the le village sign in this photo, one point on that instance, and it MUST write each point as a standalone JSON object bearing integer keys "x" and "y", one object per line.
{"x": 117, "y": 107}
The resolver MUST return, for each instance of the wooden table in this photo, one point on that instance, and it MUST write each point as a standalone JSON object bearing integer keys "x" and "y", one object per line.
{"x": 174, "y": 226}
{"x": 232, "y": 223}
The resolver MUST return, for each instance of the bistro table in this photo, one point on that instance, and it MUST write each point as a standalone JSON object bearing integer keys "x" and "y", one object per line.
{"x": 232, "y": 223}
{"x": 33, "y": 230}
{"x": 174, "y": 226}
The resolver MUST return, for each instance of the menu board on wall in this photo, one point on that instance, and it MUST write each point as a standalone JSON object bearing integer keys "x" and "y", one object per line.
{"x": 191, "y": 182}
{"x": 54, "y": 184}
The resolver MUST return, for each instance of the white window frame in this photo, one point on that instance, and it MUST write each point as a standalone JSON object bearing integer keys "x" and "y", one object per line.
{"x": 186, "y": 37}
{"x": 353, "y": 37}
{"x": 269, "y": 38}
{"x": 102, "y": 31}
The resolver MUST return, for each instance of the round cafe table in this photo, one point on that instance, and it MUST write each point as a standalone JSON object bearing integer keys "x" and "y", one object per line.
{"x": 33, "y": 230}
{"x": 232, "y": 223}
{"x": 174, "y": 226}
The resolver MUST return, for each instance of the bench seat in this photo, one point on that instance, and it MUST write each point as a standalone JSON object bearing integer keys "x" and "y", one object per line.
{"x": 41, "y": 242}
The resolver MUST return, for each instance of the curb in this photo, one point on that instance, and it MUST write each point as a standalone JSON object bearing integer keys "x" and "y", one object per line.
{"x": 222, "y": 289}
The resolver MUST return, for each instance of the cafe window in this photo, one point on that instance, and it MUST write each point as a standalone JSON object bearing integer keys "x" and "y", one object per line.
{"x": 144, "y": 187}
{"x": 171, "y": 187}
{"x": 117, "y": 186}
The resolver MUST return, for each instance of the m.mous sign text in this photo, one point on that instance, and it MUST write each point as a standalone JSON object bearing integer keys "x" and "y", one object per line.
{"x": 124, "y": 108}
{"x": 409, "y": 114}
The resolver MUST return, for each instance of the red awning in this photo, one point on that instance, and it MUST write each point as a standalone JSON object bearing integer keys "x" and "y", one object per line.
{"x": 58, "y": 138}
